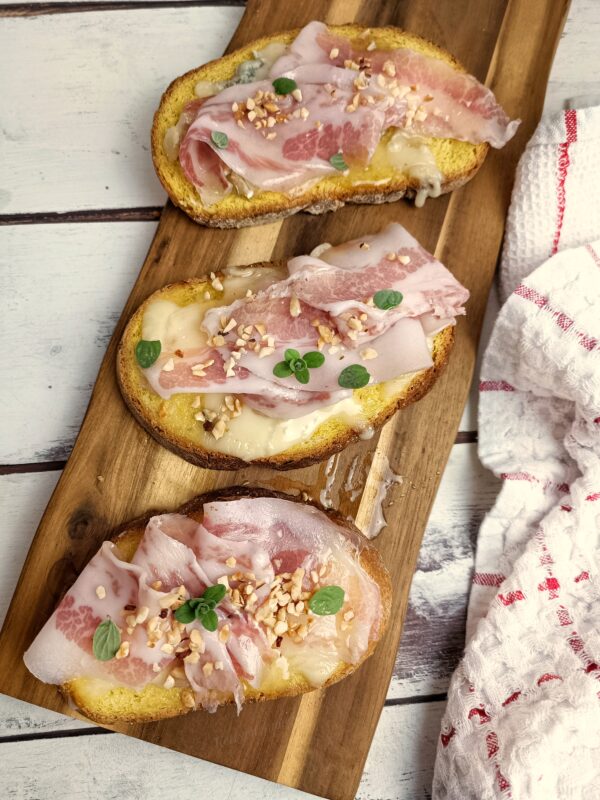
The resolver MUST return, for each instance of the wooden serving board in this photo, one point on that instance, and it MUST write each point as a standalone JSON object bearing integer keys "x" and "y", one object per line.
{"x": 116, "y": 472}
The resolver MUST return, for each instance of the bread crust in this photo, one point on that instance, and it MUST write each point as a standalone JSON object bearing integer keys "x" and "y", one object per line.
{"x": 131, "y": 533}
{"x": 212, "y": 459}
{"x": 267, "y": 207}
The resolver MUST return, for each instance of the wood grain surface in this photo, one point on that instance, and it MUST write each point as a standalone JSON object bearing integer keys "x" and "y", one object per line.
{"x": 320, "y": 742}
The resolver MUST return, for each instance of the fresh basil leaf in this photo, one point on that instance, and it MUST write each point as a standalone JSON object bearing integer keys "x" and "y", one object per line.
{"x": 354, "y": 377}
{"x": 314, "y": 359}
{"x": 210, "y": 621}
{"x": 219, "y": 139}
{"x": 106, "y": 641}
{"x": 214, "y": 594}
{"x": 282, "y": 370}
{"x": 302, "y": 375}
{"x": 387, "y": 298}
{"x": 185, "y": 613}
{"x": 291, "y": 355}
{"x": 146, "y": 352}
{"x": 337, "y": 162}
{"x": 327, "y": 601}
{"x": 284, "y": 85}
{"x": 194, "y": 601}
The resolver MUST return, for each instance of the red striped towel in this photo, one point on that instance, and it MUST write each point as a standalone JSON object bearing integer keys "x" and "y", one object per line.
{"x": 523, "y": 714}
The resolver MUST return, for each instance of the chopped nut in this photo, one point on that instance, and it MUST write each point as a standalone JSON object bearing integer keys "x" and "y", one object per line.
{"x": 155, "y": 667}
{"x": 250, "y": 104}
{"x": 404, "y": 259}
{"x": 348, "y": 616}
{"x": 224, "y": 633}
{"x": 167, "y": 648}
{"x": 219, "y": 428}
{"x": 218, "y": 665}
{"x": 207, "y": 668}
{"x": 334, "y": 52}
{"x": 389, "y": 69}
{"x": 169, "y": 365}
{"x": 123, "y": 650}
{"x": 230, "y": 562}
{"x": 230, "y": 325}
{"x": 391, "y": 256}
{"x": 188, "y": 699}
{"x": 266, "y": 351}
{"x": 192, "y": 658}
{"x": 368, "y": 353}
{"x": 280, "y": 628}
{"x": 294, "y": 306}
{"x": 142, "y": 614}
{"x": 364, "y": 245}
{"x": 100, "y": 592}
{"x": 169, "y": 682}
{"x": 216, "y": 284}
{"x": 371, "y": 46}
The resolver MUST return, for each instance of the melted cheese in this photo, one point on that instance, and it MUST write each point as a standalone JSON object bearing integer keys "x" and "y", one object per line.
{"x": 411, "y": 155}
{"x": 253, "y": 435}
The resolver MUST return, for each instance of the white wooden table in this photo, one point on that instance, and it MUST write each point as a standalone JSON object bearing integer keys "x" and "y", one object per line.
{"x": 78, "y": 207}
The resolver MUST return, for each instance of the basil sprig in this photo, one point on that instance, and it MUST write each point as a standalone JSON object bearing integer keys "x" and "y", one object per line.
{"x": 298, "y": 365}
{"x": 147, "y": 352}
{"x": 219, "y": 139}
{"x": 106, "y": 641}
{"x": 337, "y": 162}
{"x": 354, "y": 377}
{"x": 327, "y": 601}
{"x": 202, "y": 608}
{"x": 387, "y": 298}
{"x": 284, "y": 85}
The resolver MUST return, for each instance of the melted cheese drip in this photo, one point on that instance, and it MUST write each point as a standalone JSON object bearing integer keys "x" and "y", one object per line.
{"x": 409, "y": 154}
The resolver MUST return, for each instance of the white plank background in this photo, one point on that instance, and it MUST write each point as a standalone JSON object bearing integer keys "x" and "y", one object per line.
{"x": 74, "y": 126}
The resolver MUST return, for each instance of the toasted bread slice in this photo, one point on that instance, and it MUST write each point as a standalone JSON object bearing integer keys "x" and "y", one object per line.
{"x": 456, "y": 161}
{"x": 107, "y": 704}
{"x": 172, "y": 422}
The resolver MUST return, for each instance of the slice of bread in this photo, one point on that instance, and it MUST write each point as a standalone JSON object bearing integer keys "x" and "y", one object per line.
{"x": 457, "y": 161}
{"x": 172, "y": 423}
{"x": 107, "y": 703}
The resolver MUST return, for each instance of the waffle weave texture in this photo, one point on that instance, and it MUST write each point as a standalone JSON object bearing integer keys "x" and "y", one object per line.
{"x": 523, "y": 713}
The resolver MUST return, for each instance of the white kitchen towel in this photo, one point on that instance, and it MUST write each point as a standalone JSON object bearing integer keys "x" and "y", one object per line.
{"x": 523, "y": 714}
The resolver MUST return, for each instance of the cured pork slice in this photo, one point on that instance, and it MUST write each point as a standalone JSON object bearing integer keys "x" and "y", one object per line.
{"x": 257, "y": 542}
{"x": 347, "y": 97}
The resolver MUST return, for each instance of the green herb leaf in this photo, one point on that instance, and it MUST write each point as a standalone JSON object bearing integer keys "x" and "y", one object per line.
{"x": 291, "y": 355}
{"x": 282, "y": 370}
{"x": 210, "y": 621}
{"x": 387, "y": 298}
{"x": 354, "y": 377}
{"x": 107, "y": 639}
{"x": 327, "y": 601}
{"x": 302, "y": 375}
{"x": 146, "y": 352}
{"x": 337, "y": 162}
{"x": 214, "y": 594}
{"x": 185, "y": 613}
{"x": 314, "y": 359}
{"x": 284, "y": 85}
{"x": 219, "y": 139}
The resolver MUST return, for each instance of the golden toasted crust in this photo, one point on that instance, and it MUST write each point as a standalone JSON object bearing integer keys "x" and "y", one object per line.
{"x": 123, "y": 704}
{"x": 457, "y": 161}
{"x": 378, "y": 405}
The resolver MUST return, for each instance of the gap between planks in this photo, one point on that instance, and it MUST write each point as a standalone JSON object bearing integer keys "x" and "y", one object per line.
{"x": 462, "y": 437}
{"x": 43, "y": 9}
